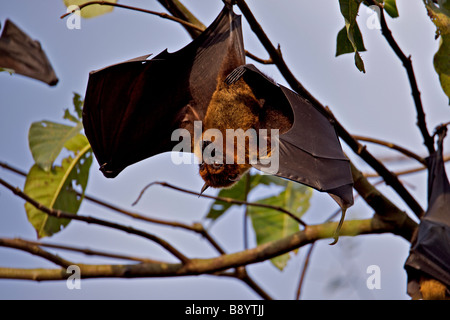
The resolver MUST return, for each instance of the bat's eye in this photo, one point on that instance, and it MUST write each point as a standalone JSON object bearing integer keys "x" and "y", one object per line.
{"x": 234, "y": 177}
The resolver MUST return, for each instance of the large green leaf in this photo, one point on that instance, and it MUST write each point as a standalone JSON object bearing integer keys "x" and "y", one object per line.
{"x": 55, "y": 189}
{"x": 92, "y": 10}
{"x": 46, "y": 140}
{"x": 349, "y": 10}
{"x": 270, "y": 225}
{"x": 441, "y": 18}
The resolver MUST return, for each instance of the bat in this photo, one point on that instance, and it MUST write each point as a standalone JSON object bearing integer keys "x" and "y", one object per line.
{"x": 132, "y": 108}
{"x": 24, "y": 55}
{"x": 429, "y": 256}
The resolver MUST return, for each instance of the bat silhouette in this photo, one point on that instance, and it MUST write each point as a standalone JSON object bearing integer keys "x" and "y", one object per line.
{"x": 24, "y": 55}
{"x": 430, "y": 248}
{"x": 132, "y": 108}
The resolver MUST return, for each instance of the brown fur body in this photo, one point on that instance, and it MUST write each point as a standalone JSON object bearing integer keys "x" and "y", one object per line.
{"x": 235, "y": 107}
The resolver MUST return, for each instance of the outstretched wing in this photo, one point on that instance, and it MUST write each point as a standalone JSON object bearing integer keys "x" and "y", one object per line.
{"x": 309, "y": 151}
{"x": 132, "y": 108}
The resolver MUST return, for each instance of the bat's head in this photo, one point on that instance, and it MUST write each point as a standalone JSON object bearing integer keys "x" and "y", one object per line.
{"x": 217, "y": 173}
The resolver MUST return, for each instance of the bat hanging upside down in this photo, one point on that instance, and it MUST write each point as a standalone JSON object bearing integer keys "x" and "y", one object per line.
{"x": 234, "y": 107}
{"x": 132, "y": 109}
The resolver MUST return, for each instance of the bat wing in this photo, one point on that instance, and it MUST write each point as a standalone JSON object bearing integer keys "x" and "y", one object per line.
{"x": 24, "y": 55}
{"x": 132, "y": 108}
{"x": 430, "y": 249}
{"x": 309, "y": 151}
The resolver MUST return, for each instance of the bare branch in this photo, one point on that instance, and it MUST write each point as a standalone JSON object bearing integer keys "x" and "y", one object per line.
{"x": 213, "y": 265}
{"x": 257, "y": 59}
{"x": 160, "y": 14}
{"x": 87, "y": 219}
{"x": 35, "y": 250}
{"x": 87, "y": 251}
{"x": 196, "y": 227}
{"x": 404, "y": 172}
{"x": 393, "y": 146}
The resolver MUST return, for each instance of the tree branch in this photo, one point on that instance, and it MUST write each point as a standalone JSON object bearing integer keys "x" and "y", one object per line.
{"x": 386, "y": 213}
{"x": 85, "y": 251}
{"x": 227, "y": 200}
{"x": 87, "y": 219}
{"x": 407, "y": 64}
{"x": 389, "y": 178}
{"x": 35, "y": 250}
{"x": 196, "y": 227}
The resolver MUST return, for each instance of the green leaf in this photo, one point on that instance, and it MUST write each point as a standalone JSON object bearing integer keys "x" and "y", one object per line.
{"x": 78, "y": 106}
{"x": 46, "y": 140}
{"x": 391, "y": 8}
{"x": 441, "y": 18}
{"x": 55, "y": 189}
{"x": 442, "y": 64}
{"x": 349, "y": 10}
{"x": 237, "y": 192}
{"x": 359, "y": 62}
{"x": 343, "y": 43}
{"x": 270, "y": 225}
{"x": 92, "y": 10}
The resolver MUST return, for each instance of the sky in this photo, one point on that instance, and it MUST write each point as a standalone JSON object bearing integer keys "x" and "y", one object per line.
{"x": 376, "y": 104}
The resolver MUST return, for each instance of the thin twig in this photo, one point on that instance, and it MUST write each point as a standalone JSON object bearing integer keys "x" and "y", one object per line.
{"x": 407, "y": 64}
{"x": 89, "y": 252}
{"x": 209, "y": 265}
{"x": 87, "y": 219}
{"x": 35, "y": 250}
{"x": 245, "y": 224}
{"x": 196, "y": 227}
{"x": 258, "y": 59}
{"x": 393, "y": 146}
{"x": 303, "y": 273}
{"x": 406, "y": 171}
{"x": 227, "y": 200}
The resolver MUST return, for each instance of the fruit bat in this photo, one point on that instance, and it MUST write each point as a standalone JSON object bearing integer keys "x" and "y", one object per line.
{"x": 24, "y": 55}
{"x": 430, "y": 248}
{"x": 132, "y": 108}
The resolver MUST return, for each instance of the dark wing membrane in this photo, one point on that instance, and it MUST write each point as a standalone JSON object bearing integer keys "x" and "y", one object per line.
{"x": 132, "y": 108}
{"x": 310, "y": 151}
{"x": 430, "y": 250}
{"x": 24, "y": 55}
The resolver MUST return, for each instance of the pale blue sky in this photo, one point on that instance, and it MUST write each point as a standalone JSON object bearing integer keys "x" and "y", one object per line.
{"x": 376, "y": 104}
